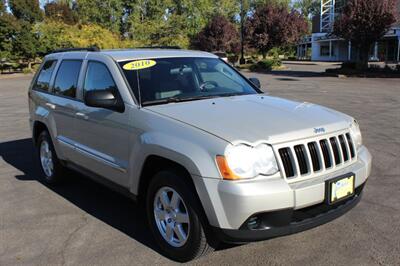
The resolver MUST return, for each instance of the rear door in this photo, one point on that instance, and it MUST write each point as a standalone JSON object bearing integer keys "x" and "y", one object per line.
{"x": 63, "y": 104}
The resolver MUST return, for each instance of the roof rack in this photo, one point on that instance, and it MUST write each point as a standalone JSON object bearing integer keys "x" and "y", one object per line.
{"x": 88, "y": 49}
{"x": 160, "y": 47}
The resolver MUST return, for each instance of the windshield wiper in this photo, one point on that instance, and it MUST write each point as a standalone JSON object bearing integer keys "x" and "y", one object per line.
{"x": 177, "y": 100}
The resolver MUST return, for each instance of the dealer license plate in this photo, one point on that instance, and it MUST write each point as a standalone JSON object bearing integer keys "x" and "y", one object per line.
{"x": 341, "y": 188}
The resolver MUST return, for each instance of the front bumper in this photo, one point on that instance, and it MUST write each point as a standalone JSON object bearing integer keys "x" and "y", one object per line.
{"x": 228, "y": 205}
{"x": 290, "y": 221}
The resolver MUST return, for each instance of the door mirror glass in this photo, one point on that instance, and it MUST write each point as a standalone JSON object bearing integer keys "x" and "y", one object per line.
{"x": 104, "y": 99}
{"x": 256, "y": 82}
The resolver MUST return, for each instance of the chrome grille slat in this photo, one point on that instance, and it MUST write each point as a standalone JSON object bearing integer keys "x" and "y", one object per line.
{"x": 311, "y": 157}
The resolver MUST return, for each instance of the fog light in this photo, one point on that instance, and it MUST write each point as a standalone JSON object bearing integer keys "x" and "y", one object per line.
{"x": 253, "y": 223}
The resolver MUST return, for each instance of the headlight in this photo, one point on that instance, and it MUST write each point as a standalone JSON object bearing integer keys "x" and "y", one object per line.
{"x": 356, "y": 134}
{"x": 244, "y": 161}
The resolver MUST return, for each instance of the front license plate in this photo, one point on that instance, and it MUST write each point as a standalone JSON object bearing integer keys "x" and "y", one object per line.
{"x": 341, "y": 188}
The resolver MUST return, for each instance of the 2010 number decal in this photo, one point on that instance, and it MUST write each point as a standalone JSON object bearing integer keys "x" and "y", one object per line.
{"x": 139, "y": 64}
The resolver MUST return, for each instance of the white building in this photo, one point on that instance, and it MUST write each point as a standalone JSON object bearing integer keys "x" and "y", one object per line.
{"x": 322, "y": 46}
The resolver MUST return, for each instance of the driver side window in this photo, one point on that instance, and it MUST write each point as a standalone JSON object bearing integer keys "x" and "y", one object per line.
{"x": 98, "y": 77}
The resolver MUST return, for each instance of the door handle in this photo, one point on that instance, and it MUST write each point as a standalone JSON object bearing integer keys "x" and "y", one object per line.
{"x": 51, "y": 106}
{"x": 81, "y": 115}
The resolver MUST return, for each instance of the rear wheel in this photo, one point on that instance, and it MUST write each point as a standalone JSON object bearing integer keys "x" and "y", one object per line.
{"x": 175, "y": 217}
{"x": 50, "y": 166}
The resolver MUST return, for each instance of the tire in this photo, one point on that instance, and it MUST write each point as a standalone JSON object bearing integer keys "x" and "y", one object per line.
{"x": 52, "y": 171}
{"x": 185, "y": 217}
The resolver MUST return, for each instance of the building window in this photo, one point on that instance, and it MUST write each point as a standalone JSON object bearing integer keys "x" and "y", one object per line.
{"x": 324, "y": 50}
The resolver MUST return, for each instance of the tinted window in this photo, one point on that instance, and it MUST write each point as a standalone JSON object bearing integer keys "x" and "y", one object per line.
{"x": 98, "y": 78}
{"x": 44, "y": 77}
{"x": 67, "y": 78}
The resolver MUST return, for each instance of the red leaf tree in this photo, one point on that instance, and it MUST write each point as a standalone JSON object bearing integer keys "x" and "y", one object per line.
{"x": 218, "y": 35}
{"x": 363, "y": 22}
{"x": 273, "y": 25}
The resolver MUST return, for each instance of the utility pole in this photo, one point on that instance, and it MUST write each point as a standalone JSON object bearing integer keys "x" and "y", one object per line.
{"x": 242, "y": 60}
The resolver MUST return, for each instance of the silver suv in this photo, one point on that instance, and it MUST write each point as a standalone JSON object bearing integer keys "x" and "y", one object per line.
{"x": 210, "y": 156}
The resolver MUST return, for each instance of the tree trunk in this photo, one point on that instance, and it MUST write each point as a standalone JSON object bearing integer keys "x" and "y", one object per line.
{"x": 364, "y": 57}
{"x": 264, "y": 55}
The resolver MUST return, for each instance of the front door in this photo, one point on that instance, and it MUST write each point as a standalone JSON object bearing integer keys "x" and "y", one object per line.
{"x": 103, "y": 143}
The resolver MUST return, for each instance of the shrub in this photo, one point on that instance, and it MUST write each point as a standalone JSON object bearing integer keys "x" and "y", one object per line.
{"x": 266, "y": 65}
{"x": 251, "y": 61}
{"x": 233, "y": 58}
{"x": 27, "y": 70}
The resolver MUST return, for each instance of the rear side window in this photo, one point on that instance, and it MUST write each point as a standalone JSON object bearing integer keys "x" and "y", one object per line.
{"x": 98, "y": 77}
{"x": 67, "y": 78}
{"x": 43, "y": 80}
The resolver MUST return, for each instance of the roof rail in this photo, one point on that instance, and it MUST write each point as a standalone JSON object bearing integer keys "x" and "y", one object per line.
{"x": 160, "y": 47}
{"x": 77, "y": 49}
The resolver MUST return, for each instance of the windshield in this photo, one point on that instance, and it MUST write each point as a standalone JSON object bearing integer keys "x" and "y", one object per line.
{"x": 164, "y": 80}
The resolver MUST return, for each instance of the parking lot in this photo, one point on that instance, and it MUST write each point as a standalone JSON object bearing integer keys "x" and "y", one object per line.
{"x": 82, "y": 222}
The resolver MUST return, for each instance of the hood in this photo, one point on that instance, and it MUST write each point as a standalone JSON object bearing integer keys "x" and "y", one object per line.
{"x": 258, "y": 117}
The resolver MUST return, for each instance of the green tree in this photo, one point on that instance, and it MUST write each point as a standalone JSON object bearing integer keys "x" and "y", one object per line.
{"x": 191, "y": 16}
{"x": 106, "y": 13}
{"x": 308, "y": 7}
{"x": 8, "y": 27}
{"x": 26, "y": 43}
{"x": 27, "y": 10}
{"x": 281, "y": 3}
{"x": 56, "y": 34}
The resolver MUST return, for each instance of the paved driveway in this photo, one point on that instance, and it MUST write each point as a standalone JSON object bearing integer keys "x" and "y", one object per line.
{"x": 85, "y": 223}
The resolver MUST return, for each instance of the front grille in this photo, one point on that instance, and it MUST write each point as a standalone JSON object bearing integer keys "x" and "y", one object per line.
{"x": 317, "y": 155}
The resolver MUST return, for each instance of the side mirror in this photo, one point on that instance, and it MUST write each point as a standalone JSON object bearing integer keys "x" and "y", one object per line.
{"x": 256, "y": 82}
{"x": 104, "y": 99}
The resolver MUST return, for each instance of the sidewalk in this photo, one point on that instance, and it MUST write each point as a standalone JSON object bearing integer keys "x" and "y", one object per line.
{"x": 15, "y": 75}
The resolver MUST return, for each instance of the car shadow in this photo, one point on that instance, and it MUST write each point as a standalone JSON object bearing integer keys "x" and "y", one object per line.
{"x": 293, "y": 73}
{"x": 99, "y": 201}
{"x": 109, "y": 206}
{"x": 298, "y": 74}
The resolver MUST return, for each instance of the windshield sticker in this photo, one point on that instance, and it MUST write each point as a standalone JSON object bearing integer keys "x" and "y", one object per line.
{"x": 139, "y": 64}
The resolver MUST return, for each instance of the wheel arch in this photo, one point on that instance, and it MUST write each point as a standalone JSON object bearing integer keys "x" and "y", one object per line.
{"x": 38, "y": 127}
{"x": 156, "y": 163}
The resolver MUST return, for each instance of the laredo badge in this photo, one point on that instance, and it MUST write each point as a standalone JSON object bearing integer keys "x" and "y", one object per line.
{"x": 139, "y": 64}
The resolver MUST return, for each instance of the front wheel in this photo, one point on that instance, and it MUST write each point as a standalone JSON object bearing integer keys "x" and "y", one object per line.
{"x": 174, "y": 217}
